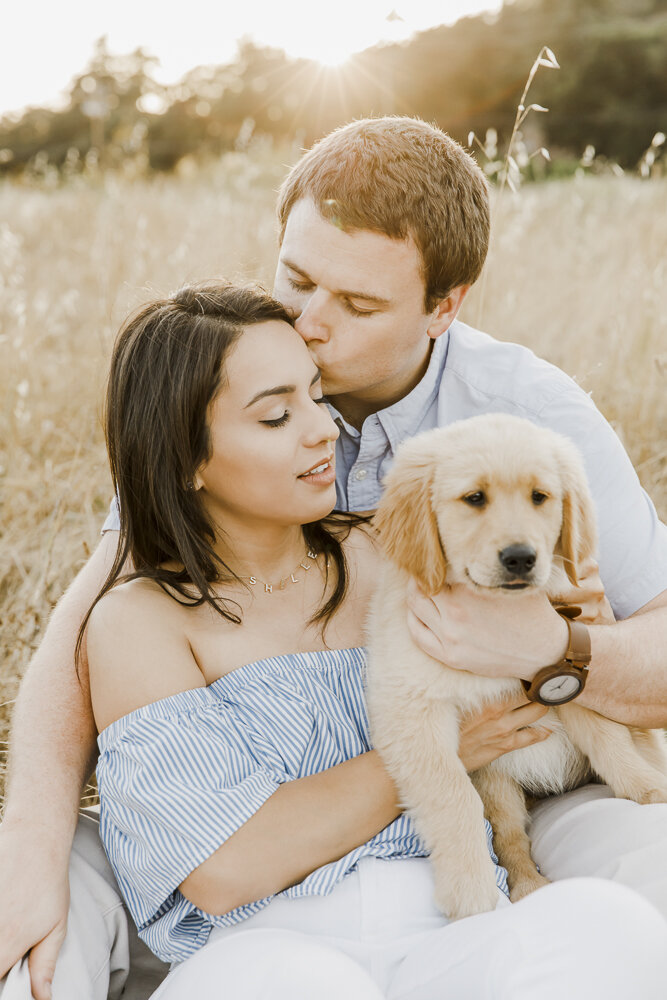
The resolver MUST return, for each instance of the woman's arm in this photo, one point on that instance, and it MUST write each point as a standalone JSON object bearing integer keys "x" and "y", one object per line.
{"x": 307, "y": 823}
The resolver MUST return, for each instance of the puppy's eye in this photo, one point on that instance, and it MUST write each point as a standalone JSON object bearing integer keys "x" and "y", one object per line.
{"x": 539, "y": 497}
{"x": 477, "y": 499}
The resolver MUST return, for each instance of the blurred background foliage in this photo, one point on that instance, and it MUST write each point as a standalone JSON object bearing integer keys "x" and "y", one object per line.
{"x": 606, "y": 104}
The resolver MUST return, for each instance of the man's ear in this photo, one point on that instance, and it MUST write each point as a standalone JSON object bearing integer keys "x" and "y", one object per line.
{"x": 445, "y": 312}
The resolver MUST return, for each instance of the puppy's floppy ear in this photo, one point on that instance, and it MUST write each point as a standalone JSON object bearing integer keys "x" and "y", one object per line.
{"x": 405, "y": 519}
{"x": 578, "y": 537}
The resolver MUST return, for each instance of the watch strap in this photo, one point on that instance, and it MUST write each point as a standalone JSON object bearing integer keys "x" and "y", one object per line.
{"x": 579, "y": 646}
{"x": 577, "y": 655}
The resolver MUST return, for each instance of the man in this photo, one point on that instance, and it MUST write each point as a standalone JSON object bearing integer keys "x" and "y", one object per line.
{"x": 384, "y": 227}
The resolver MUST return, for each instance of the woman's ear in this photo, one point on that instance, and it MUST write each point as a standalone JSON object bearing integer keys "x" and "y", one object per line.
{"x": 405, "y": 518}
{"x": 578, "y": 537}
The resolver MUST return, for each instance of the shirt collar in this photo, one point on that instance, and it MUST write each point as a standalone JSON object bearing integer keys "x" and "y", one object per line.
{"x": 403, "y": 418}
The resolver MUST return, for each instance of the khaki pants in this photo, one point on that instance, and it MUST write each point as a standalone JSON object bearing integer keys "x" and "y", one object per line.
{"x": 101, "y": 945}
{"x": 582, "y": 833}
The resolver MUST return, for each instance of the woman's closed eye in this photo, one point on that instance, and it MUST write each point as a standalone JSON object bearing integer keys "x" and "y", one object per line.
{"x": 279, "y": 421}
{"x": 282, "y": 420}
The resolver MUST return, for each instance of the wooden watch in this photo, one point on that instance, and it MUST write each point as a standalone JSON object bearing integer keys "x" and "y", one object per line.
{"x": 563, "y": 681}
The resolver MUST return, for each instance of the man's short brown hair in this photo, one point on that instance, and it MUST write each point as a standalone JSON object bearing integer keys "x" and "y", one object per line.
{"x": 405, "y": 178}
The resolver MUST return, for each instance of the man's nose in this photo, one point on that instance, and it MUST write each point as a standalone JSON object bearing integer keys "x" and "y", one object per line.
{"x": 310, "y": 324}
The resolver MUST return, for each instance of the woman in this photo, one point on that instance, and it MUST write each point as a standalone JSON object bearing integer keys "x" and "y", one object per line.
{"x": 255, "y": 835}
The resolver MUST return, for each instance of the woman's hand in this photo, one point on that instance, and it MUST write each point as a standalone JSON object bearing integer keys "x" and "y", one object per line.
{"x": 498, "y": 729}
{"x": 35, "y": 903}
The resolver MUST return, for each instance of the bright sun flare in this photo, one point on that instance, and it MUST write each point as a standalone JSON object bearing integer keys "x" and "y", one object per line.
{"x": 34, "y": 70}
{"x": 332, "y": 57}
{"x": 359, "y": 25}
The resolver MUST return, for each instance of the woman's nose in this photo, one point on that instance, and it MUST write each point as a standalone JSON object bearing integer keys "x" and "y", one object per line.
{"x": 323, "y": 427}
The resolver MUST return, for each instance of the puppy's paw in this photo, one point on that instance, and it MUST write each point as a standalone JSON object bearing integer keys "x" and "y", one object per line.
{"x": 526, "y": 885}
{"x": 464, "y": 897}
{"x": 652, "y": 795}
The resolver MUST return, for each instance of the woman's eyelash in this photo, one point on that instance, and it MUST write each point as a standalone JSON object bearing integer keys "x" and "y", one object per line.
{"x": 278, "y": 422}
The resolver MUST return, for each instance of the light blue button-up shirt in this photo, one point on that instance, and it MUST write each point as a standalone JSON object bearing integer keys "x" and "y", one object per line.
{"x": 364, "y": 457}
{"x": 471, "y": 373}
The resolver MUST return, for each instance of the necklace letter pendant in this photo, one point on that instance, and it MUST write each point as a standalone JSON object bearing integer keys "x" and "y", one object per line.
{"x": 268, "y": 587}
{"x": 304, "y": 564}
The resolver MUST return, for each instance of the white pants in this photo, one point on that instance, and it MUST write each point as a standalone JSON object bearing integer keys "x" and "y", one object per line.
{"x": 583, "y": 833}
{"x": 378, "y": 935}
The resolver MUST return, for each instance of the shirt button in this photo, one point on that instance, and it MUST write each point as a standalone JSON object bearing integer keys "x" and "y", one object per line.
{"x": 361, "y": 474}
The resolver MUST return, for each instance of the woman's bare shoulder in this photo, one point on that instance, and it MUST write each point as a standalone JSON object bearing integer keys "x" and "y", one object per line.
{"x": 132, "y": 594}
{"x": 137, "y": 650}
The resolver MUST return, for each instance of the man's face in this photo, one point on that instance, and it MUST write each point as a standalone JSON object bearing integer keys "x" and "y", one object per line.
{"x": 358, "y": 301}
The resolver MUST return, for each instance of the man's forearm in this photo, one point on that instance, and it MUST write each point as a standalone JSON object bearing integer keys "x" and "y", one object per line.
{"x": 52, "y": 745}
{"x": 305, "y": 824}
{"x": 628, "y": 675}
{"x": 497, "y": 637}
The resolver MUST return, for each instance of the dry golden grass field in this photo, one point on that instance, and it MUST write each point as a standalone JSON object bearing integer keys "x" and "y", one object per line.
{"x": 577, "y": 271}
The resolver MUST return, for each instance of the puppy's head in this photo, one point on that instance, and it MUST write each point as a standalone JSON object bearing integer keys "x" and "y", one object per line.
{"x": 494, "y": 502}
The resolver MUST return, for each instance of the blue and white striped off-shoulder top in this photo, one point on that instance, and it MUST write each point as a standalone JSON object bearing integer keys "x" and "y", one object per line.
{"x": 179, "y": 776}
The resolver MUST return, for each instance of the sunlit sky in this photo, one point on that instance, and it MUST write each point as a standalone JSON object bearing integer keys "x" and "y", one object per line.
{"x": 42, "y": 48}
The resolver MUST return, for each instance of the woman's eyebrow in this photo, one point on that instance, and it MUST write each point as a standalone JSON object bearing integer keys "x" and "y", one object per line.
{"x": 279, "y": 390}
{"x": 344, "y": 292}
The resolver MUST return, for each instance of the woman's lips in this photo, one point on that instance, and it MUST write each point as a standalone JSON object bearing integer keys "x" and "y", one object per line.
{"x": 323, "y": 478}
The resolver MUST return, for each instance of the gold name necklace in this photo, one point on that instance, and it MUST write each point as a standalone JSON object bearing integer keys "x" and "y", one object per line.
{"x": 290, "y": 578}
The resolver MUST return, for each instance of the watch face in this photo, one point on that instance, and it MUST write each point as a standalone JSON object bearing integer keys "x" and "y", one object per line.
{"x": 560, "y": 689}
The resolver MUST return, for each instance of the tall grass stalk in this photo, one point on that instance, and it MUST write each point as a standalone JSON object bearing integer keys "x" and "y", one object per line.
{"x": 510, "y": 172}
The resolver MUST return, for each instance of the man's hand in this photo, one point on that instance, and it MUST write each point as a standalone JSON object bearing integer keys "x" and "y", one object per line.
{"x": 498, "y": 729}
{"x": 495, "y": 635}
{"x": 52, "y": 752}
{"x": 35, "y": 901}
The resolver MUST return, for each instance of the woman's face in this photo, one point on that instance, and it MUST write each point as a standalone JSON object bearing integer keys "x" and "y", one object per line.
{"x": 269, "y": 429}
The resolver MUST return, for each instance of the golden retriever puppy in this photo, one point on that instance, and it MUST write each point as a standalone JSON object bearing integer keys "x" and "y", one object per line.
{"x": 457, "y": 501}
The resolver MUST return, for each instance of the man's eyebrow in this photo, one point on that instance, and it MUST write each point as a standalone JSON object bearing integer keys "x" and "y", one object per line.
{"x": 279, "y": 390}
{"x": 344, "y": 292}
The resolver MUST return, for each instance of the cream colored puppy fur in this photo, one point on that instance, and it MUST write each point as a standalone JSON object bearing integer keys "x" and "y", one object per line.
{"x": 535, "y": 493}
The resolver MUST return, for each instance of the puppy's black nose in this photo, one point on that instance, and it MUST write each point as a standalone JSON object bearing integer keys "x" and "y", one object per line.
{"x": 518, "y": 559}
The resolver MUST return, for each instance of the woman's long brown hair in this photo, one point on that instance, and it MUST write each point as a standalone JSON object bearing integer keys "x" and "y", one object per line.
{"x": 166, "y": 369}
